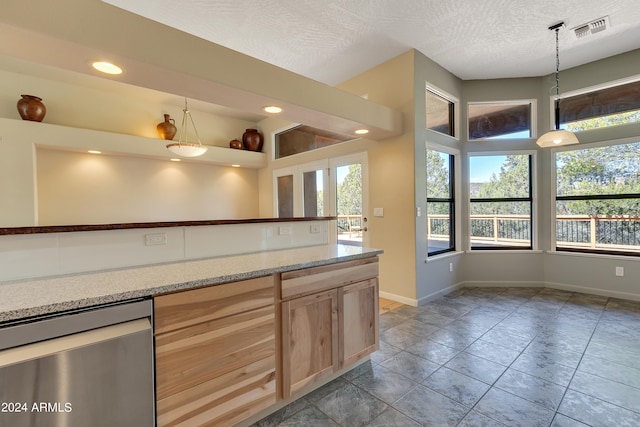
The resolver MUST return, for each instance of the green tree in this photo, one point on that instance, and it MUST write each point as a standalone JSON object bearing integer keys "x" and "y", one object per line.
{"x": 613, "y": 169}
{"x": 350, "y": 192}
{"x": 512, "y": 181}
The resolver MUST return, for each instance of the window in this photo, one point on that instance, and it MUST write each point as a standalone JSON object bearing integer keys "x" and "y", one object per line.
{"x": 441, "y": 112}
{"x": 601, "y": 107}
{"x": 301, "y": 139}
{"x": 506, "y": 119}
{"x": 501, "y": 202}
{"x": 440, "y": 202}
{"x": 299, "y": 190}
{"x": 598, "y": 199}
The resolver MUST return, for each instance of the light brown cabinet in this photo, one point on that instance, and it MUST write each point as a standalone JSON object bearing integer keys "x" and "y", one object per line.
{"x": 329, "y": 321}
{"x": 227, "y": 352}
{"x": 215, "y": 353}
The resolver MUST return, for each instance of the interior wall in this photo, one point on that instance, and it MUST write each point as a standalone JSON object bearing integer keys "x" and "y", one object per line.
{"x": 78, "y": 188}
{"x": 440, "y": 274}
{"x": 391, "y": 178}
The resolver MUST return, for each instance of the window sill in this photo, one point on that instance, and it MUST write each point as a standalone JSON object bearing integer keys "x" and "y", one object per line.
{"x": 590, "y": 255}
{"x": 443, "y": 256}
{"x": 506, "y": 251}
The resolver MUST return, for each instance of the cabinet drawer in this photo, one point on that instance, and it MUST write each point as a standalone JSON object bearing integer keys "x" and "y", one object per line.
{"x": 224, "y": 400}
{"x": 188, "y": 357}
{"x": 187, "y": 308}
{"x": 316, "y": 279}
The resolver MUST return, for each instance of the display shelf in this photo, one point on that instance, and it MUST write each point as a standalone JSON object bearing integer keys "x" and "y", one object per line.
{"x": 56, "y": 137}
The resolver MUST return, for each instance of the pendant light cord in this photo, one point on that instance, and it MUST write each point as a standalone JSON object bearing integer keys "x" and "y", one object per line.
{"x": 557, "y": 29}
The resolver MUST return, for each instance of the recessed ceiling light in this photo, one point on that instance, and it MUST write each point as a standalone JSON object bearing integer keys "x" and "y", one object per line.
{"x": 107, "y": 67}
{"x": 273, "y": 109}
{"x": 235, "y": 166}
{"x": 94, "y": 152}
{"x": 175, "y": 160}
{"x": 362, "y": 131}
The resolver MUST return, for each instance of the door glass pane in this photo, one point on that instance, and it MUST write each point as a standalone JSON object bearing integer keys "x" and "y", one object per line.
{"x": 285, "y": 196}
{"x": 349, "y": 204}
{"x": 313, "y": 191}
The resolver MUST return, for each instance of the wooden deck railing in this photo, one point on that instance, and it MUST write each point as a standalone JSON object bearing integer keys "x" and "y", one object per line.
{"x": 581, "y": 231}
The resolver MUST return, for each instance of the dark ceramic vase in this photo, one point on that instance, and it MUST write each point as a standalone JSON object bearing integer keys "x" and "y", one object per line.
{"x": 252, "y": 140}
{"x": 167, "y": 129}
{"x": 31, "y": 108}
{"x": 235, "y": 143}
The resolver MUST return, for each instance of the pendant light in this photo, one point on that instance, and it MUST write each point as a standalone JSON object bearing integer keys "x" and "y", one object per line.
{"x": 183, "y": 147}
{"x": 557, "y": 137}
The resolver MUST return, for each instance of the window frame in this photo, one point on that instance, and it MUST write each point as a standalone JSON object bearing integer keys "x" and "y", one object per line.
{"x": 532, "y": 199}
{"x": 454, "y": 173}
{"x": 533, "y": 118}
{"x": 555, "y": 198}
{"x": 454, "y": 116}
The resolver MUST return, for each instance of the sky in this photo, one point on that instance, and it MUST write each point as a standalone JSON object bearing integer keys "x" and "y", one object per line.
{"x": 482, "y": 167}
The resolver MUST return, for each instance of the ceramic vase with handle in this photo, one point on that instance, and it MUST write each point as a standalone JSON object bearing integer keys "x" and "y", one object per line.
{"x": 167, "y": 129}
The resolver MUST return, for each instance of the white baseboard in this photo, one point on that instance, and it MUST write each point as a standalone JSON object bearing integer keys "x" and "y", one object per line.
{"x": 594, "y": 291}
{"x": 502, "y": 284}
{"x": 398, "y": 298}
{"x": 442, "y": 292}
{"x": 562, "y": 286}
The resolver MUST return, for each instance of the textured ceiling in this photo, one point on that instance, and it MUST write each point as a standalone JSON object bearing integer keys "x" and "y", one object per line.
{"x": 331, "y": 41}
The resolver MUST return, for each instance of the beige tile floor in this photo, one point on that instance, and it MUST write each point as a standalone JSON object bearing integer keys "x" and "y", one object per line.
{"x": 490, "y": 357}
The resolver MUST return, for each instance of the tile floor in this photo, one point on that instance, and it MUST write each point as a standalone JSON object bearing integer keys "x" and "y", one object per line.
{"x": 490, "y": 357}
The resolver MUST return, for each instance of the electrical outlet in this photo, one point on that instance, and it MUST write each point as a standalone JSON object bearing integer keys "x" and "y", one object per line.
{"x": 155, "y": 239}
{"x": 620, "y": 271}
{"x": 450, "y": 267}
{"x": 315, "y": 228}
{"x": 284, "y": 231}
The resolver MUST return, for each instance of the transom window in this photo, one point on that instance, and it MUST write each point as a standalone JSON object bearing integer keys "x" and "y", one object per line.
{"x": 602, "y": 107}
{"x": 489, "y": 120}
{"x": 440, "y": 112}
{"x": 598, "y": 199}
{"x": 501, "y": 202}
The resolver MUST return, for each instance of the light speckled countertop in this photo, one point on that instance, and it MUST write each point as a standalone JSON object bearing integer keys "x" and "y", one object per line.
{"x": 34, "y": 297}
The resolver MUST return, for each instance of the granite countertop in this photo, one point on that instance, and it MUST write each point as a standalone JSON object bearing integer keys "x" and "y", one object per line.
{"x": 35, "y": 297}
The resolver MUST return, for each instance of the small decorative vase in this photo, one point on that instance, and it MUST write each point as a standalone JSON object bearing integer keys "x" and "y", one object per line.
{"x": 167, "y": 129}
{"x": 252, "y": 140}
{"x": 236, "y": 143}
{"x": 31, "y": 108}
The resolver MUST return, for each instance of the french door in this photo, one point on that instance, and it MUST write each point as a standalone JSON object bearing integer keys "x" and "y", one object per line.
{"x": 329, "y": 187}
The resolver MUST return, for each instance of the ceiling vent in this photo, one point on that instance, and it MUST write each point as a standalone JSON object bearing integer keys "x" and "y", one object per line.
{"x": 590, "y": 28}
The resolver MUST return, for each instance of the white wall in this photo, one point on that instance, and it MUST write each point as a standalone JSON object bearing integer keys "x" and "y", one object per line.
{"x": 39, "y": 255}
{"x": 80, "y": 188}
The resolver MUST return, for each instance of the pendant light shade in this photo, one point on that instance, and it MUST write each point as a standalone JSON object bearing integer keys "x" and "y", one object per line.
{"x": 557, "y": 137}
{"x": 183, "y": 147}
{"x": 554, "y": 138}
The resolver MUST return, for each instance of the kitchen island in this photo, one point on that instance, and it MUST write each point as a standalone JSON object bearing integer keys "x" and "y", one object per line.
{"x": 235, "y": 337}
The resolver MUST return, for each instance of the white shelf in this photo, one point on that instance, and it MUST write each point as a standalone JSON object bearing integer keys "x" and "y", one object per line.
{"x": 44, "y": 135}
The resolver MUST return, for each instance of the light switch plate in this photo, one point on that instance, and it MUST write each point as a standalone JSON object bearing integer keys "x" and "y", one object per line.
{"x": 378, "y": 211}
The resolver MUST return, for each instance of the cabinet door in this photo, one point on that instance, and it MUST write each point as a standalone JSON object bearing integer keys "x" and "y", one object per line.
{"x": 310, "y": 340}
{"x": 358, "y": 311}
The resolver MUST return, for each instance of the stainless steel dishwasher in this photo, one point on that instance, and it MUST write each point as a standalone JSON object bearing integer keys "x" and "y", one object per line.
{"x": 90, "y": 367}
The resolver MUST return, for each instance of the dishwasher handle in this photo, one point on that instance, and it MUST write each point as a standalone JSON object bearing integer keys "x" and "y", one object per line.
{"x": 70, "y": 342}
{"x": 65, "y": 324}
